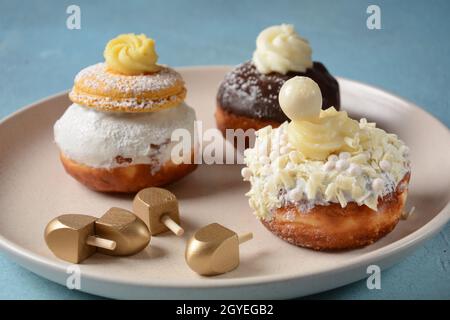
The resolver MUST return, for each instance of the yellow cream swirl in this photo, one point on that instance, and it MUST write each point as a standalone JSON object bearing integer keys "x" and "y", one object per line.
{"x": 314, "y": 132}
{"x": 131, "y": 54}
{"x": 330, "y": 133}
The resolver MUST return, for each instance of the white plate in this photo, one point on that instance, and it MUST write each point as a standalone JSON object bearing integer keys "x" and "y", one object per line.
{"x": 34, "y": 188}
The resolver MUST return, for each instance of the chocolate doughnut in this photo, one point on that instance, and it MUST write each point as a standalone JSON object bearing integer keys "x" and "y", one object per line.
{"x": 249, "y": 99}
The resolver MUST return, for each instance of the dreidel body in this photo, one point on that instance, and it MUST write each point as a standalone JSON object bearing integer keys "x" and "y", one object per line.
{"x": 75, "y": 237}
{"x": 214, "y": 249}
{"x": 158, "y": 208}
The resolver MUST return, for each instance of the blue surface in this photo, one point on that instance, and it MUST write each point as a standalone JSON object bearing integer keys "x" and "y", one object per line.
{"x": 409, "y": 56}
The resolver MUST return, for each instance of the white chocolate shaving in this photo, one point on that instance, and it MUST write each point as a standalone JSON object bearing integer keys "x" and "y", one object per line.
{"x": 356, "y": 176}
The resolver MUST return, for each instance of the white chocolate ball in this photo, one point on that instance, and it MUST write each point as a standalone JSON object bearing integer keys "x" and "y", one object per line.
{"x": 333, "y": 158}
{"x": 246, "y": 174}
{"x": 344, "y": 155}
{"x": 329, "y": 165}
{"x": 300, "y": 98}
{"x": 385, "y": 165}
{"x": 354, "y": 170}
{"x": 378, "y": 185}
{"x": 341, "y": 164}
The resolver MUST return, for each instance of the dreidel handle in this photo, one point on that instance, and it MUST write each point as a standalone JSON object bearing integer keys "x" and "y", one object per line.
{"x": 245, "y": 237}
{"x": 172, "y": 225}
{"x": 101, "y": 243}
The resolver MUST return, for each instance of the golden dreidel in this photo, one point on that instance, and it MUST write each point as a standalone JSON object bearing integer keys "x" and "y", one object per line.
{"x": 130, "y": 233}
{"x": 214, "y": 249}
{"x": 71, "y": 237}
{"x": 75, "y": 237}
{"x": 158, "y": 208}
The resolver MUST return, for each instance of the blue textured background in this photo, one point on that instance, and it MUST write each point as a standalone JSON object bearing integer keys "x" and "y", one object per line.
{"x": 39, "y": 56}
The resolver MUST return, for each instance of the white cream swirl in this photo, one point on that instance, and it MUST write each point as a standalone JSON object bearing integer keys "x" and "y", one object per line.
{"x": 280, "y": 49}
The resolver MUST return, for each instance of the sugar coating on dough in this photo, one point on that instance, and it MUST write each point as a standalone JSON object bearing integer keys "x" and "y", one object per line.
{"x": 106, "y": 139}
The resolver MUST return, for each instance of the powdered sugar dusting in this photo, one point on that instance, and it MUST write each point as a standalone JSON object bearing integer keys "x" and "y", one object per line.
{"x": 246, "y": 85}
{"x": 97, "y": 77}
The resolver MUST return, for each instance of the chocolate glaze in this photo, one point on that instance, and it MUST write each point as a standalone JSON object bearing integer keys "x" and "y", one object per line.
{"x": 247, "y": 92}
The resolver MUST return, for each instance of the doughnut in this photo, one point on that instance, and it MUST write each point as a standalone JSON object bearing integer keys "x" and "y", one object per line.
{"x": 332, "y": 227}
{"x": 100, "y": 88}
{"x": 253, "y": 96}
{"x": 325, "y": 181}
{"x": 122, "y": 152}
{"x": 126, "y": 179}
{"x": 228, "y": 120}
{"x": 117, "y": 134}
{"x": 248, "y": 96}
